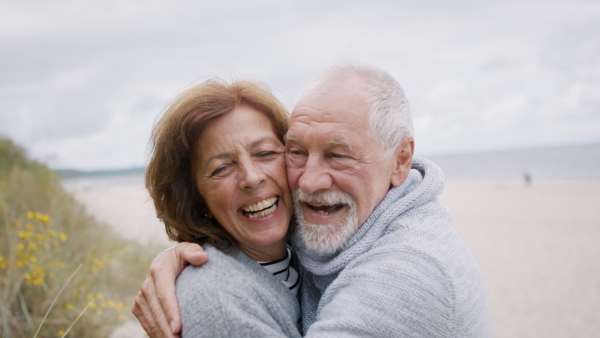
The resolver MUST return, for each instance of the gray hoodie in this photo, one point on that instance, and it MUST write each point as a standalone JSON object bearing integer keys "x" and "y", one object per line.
{"x": 405, "y": 272}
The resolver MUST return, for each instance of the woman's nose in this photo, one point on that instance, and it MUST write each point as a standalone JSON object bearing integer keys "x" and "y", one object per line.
{"x": 251, "y": 175}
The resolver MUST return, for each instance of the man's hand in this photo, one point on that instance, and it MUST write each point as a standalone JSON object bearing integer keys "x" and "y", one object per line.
{"x": 156, "y": 304}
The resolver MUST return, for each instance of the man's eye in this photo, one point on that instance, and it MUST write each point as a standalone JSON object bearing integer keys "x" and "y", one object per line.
{"x": 334, "y": 155}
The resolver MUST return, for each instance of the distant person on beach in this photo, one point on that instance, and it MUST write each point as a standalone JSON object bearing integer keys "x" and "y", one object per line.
{"x": 380, "y": 257}
{"x": 527, "y": 178}
{"x": 217, "y": 178}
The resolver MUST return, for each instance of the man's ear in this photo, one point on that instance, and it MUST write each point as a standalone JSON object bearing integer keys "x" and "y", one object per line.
{"x": 403, "y": 161}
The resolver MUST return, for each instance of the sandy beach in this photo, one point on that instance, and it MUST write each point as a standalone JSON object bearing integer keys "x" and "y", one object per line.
{"x": 536, "y": 246}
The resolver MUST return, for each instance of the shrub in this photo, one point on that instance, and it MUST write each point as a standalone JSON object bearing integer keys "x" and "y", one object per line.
{"x": 60, "y": 270}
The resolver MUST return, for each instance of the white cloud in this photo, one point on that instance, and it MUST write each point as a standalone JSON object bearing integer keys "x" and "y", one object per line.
{"x": 84, "y": 82}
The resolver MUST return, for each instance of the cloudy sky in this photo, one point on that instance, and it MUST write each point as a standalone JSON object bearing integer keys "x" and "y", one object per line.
{"x": 82, "y": 82}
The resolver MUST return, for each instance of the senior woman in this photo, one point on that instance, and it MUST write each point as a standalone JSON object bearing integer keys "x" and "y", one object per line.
{"x": 217, "y": 177}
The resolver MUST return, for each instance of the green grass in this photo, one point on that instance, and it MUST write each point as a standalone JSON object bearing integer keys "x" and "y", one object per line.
{"x": 49, "y": 243}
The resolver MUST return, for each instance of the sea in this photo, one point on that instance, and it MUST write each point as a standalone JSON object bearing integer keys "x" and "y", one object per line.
{"x": 566, "y": 163}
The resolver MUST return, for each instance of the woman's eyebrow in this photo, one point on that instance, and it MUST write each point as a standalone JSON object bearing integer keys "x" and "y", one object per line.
{"x": 253, "y": 145}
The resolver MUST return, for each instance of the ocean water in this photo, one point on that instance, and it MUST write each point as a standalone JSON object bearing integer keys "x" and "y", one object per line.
{"x": 543, "y": 164}
{"x": 98, "y": 181}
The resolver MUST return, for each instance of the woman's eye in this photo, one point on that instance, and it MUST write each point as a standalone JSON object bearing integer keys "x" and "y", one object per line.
{"x": 266, "y": 153}
{"x": 219, "y": 170}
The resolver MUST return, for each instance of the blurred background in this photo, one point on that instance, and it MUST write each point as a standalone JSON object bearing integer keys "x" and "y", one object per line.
{"x": 504, "y": 94}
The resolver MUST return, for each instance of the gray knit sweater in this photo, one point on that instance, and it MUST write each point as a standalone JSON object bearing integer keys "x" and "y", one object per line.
{"x": 233, "y": 296}
{"x": 404, "y": 273}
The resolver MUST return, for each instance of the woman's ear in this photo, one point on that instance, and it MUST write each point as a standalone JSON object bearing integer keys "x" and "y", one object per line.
{"x": 403, "y": 161}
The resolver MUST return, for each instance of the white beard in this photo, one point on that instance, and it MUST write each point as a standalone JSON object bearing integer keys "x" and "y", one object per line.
{"x": 328, "y": 238}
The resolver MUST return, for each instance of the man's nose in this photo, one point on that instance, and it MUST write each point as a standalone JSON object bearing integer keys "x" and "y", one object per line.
{"x": 251, "y": 175}
{"x": 315, "y": 176}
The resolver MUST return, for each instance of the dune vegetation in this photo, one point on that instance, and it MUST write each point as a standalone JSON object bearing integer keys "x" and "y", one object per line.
{"x": 62, "y": 273}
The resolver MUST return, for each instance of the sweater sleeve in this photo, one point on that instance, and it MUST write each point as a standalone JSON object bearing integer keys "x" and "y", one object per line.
{"x": 387, "y": 293}
{"x": 215, "y": 303}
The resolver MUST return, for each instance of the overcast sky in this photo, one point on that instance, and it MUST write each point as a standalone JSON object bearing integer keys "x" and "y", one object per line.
{"x": 81, "y": 82}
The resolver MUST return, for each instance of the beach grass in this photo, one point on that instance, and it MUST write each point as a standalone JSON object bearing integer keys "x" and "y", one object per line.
{"x": 62, "y": 273}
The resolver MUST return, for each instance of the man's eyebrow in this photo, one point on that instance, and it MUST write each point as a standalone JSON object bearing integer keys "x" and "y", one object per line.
{"x": 287, "y": 138}
{"x": 341, "y": 142}
{"x": 338, "y": 142}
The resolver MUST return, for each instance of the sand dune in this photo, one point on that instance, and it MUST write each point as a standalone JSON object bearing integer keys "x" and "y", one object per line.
{"x": 536, "y": 245}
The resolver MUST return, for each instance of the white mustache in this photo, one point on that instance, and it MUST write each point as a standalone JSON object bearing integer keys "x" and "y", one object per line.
{"x": 324, "y": 198}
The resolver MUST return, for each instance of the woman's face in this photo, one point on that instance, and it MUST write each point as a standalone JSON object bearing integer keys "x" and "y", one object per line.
{"x": 241, "y": 175}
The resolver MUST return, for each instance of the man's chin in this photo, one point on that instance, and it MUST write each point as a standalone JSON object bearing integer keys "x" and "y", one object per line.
{"x": 326, "y": 239}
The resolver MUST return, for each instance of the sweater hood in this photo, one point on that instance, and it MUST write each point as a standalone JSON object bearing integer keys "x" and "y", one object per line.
{"x": 424, "y": 182}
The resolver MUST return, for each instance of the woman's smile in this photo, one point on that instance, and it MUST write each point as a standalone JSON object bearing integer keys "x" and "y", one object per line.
{"x": 261, "y": 209}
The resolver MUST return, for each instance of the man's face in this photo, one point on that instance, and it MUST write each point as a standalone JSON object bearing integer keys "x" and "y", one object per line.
{"x": 333, "y": 162}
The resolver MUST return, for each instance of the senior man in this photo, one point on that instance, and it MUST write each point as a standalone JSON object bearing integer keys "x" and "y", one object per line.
{"x": 379, "y": 252}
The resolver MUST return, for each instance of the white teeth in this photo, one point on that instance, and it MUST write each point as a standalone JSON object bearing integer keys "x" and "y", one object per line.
{"x": 266, "y": 208}
{"x": 263, "y": 213}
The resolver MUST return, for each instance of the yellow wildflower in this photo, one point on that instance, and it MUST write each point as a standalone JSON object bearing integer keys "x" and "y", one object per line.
{"x": 69, "y": 306}
{"x": 32, "y": 246}
{"x": 52, "y": 233}
{"x": 25, "y": 234}
{"x": 63, "y": 236}
{"x": 29, "y": 227}
{"x": 61, "y": 332}
{"x": 111, "y": 303}
{"x": 90, "y": 296}
{"x": 119, "y": 305}
{"x": 30, "y": 215}
{"x": 45, "y": 219}
{"x": 33, "y": 259}
{"x": 99, "y": 296}
{"x": 20, "y": 247}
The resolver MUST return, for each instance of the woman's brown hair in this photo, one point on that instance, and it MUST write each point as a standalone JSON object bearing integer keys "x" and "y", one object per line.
{"x": 170, "y": 177}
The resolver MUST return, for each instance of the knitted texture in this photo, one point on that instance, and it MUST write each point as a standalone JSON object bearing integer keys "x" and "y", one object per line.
{"x": 233, "y": 296}
{"x": 405, "y": 272}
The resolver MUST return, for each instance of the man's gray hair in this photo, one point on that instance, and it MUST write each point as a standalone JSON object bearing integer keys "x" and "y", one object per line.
{"x": 390, "y": 120}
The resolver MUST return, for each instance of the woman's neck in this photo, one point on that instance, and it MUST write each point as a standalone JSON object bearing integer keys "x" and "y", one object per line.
{"x": 269, "y": 253}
